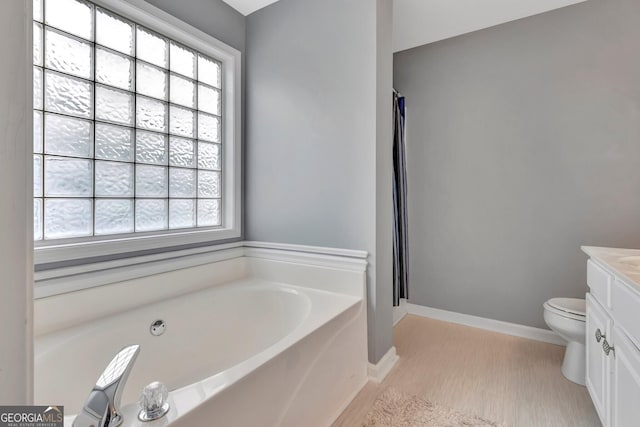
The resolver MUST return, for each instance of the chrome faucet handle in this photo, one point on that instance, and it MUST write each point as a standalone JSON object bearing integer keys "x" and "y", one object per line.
{"x": 153, "y": 402}
{"x": 102, "y": 407}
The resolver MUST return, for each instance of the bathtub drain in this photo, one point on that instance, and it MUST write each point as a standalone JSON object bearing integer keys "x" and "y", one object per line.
{"x": 157, "y": 328}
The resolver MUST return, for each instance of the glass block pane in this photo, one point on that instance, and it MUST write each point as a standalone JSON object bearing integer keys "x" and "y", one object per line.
{"x": 37, "y": 44}
{"x": 183, "y": 61}
{"x": 37, "y": 10}
{"x": 68, "y": 95}
{"x": 209, "y": 99}
{"x": 68, "y": 54}
{"x": 37, "y": 88}
{"x": 151, "y": 81}
{"x": 209, "y": 71}
{"x": 151, "y": 215}
{"x": 68, "y": 218}
{"x": 64, "y": 177}
{"x": 183, "y": 91}
{"x": 114, "y": 142}
{"x": 68, "y": 136}
{"x": 37, "y": 176}
{"x": 37, "y": 219}
{"x": 208, "y": 156}
{"x": 37, "y": 132}
{"x": 182, "y": 182}
{"x": 113, "y": 69}
{"x": 151, "y": 47}
{"x": 114, "y": 32}
{"x": 208, "y": 127}
{"x": 181, "y": 121}
{"x": 209, "y": 213}
{"x": 181, "y": 152}
{"x": 151, "y": 181}
{"x": 208, "y": 184}
{"x": 114, "y": 179}
{"x": 151, "y": 114}
{"x": 114, "y": 105}
{"x": 182, "y": 213}
{"x": 151, "y": 148}
{"x": 72, "y": 16}
{"x": 114, "y": 216}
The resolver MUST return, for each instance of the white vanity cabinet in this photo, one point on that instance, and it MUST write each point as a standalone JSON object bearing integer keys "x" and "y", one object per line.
{"x": 598, "y": 366}
{"x": 625, "y": 382}
{"x": 613, "y": 335}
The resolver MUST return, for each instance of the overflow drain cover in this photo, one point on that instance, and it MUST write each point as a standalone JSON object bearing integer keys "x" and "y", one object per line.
{"x": 157, "y": 328}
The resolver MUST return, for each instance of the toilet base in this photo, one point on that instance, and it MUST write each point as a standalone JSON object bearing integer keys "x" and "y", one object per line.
{"x": 574, "y": 364}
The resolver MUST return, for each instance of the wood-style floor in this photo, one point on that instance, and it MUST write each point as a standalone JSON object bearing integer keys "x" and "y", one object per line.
{"x": 506, "y": 379}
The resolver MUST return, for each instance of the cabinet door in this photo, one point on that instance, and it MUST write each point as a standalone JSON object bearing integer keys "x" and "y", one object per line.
{"x": 597, "y": 374}
{"x": 625, "y": 396}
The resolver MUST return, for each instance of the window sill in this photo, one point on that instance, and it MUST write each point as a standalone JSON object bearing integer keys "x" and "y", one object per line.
{"x": 59, "y": 281}
{"x": 56, "y": 251}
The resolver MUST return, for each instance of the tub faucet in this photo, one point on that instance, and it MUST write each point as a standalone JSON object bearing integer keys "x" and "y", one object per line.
{"x": 103, "y": 405}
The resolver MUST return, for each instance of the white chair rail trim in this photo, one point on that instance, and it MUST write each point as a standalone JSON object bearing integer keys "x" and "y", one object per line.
{"x": 70, "y": 279}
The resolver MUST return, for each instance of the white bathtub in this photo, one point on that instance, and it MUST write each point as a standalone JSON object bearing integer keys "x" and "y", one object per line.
{"x": 280, "y": 344}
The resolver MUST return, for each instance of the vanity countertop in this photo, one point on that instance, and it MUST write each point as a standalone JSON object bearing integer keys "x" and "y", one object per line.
{"x": 625, "y": 263}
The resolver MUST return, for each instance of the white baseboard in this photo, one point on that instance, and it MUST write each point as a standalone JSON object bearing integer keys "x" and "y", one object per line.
{"x": 507, "y": 328}
{"x": 379, "y": 371}
{"x": 346, "y": 403}
{"x": 400, "y": 311}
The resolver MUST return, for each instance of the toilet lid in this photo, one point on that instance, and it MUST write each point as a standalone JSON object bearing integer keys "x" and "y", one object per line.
{"x": 570, "y": 305}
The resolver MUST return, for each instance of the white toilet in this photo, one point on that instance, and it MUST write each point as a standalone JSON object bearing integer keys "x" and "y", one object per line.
{"x": 566, "y": 317}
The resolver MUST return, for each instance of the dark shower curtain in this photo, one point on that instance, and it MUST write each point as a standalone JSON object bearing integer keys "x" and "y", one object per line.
{"x": 400, "y": 234}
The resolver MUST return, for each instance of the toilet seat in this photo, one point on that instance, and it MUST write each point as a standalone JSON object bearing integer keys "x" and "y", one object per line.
{"x": 571, "y": 308}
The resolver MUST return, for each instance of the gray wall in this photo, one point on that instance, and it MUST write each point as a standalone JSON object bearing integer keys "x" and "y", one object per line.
{"x": 312, "y": 107}
{"x": 382, "y": 305}
{"x": 523, "y": 144}
{"x": 16, "y": 213}
{"x": 214, "y": 17}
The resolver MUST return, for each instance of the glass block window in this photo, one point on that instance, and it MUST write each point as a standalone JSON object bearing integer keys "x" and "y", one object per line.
{"x": 127, "y": 126}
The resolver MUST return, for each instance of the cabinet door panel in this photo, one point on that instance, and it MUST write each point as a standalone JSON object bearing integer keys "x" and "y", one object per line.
{"x": 625, "y": 303}
{"x": 599, "y": 282}
{"x": 625, "y": 396}
{"x": 597, "y": 375}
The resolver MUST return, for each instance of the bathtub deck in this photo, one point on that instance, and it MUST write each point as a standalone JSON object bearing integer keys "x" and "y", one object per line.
{"x": 503, "y": 378}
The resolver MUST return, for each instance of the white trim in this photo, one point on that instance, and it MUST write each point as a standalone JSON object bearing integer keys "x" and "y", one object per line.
{"x": 105, "y": 265}
{"x": 64, "y": 280}
{"x": 312, "y": 255}
{"x": 308, "y": 249}
{"x": 316, "y": 259}
{"x": 529, "y": 332}
{"x": 378, "y": 372}
{"x": 70, "y": 279}
{"x": 400, "y": 311}
{"x": 150, "y": 16}
{"x": 52, "y": 251}
{"x": 346, "y": 403}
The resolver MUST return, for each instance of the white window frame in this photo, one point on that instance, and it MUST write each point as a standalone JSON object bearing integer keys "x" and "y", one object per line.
{"x": 140, "y": 12}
